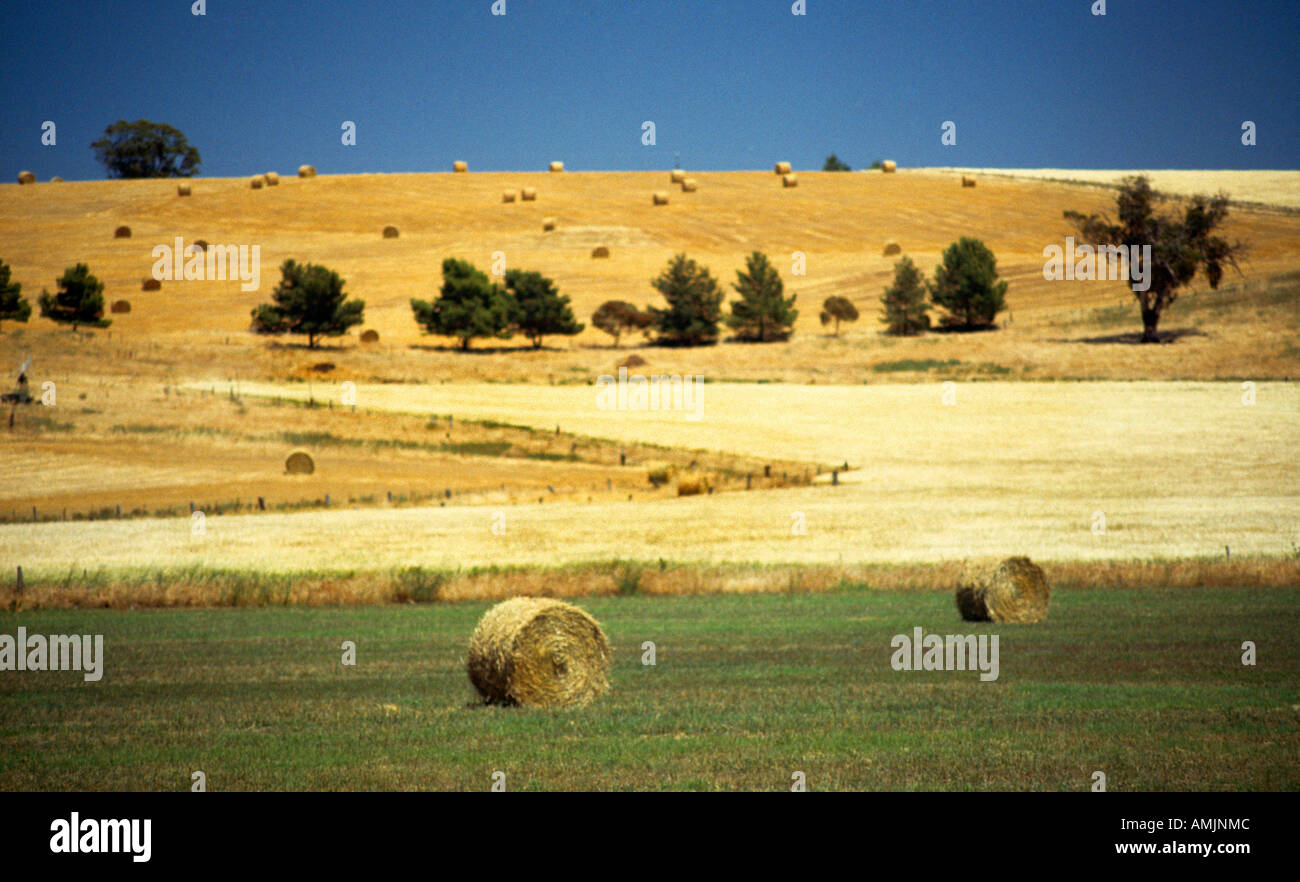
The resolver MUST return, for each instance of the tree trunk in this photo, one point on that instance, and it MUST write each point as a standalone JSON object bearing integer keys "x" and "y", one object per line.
{"x": 1150, "y": 318}
{"x": 464, "y": 343}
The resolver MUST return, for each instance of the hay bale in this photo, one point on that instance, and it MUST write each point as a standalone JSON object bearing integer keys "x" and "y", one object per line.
{"x": 888, "y": 166}
{"x": 676, "y": 176}
{"x": 600, "y": 251}
{"x": 460, "y": 165}
{"x": 120, "y": 306}
{"x": 967, "y": 181}
{"x": 390, "y": 232}
{"x": 306, "y": 171}
{"x": 892, "y": 247}
{"x": 299, "y": 463}
{"x": 122, "y": 232}
{"x": 660, "y": 197}
{"x": 659, "y": 474}
{"x": 508, "y": 196}
{"x": 26, "y": 177}
{"x": 150, "y": 284}
{"x": 782, "y": 168}
{"x": 790, "y": 180}
{"x": 56, "y": 180}
{"x": 182, "y": 189}
{"x": 540, "y": 652}
{"x": 256, "y": 182}
{"x": 370, "y": 336}
{"x": 693, "y": 485}
{"x": 548, "y": 224}
{"x": 272, "y": 179}
{"x": 631, "y": 361}
{"x": 528, "y": 194}
{"x": 1014, "y": 590}
{"x": 201, "y": 244}
{"x": 689, "y": 185}
{"x": 557, "y": 166}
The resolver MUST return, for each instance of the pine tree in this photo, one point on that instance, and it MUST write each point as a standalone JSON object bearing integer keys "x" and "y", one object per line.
{"x": 906, "y": 311}
{"x": 13, "y": 306}
{"x": 694, "y": 304}
{"x": 79, "y": 301}
{"x": 762, "y": 313}
{"x": 541, "y": 308}
{"x": 469, "y": 305}
{"x": 308, "y": 300}
{"x": 966, "y": 285}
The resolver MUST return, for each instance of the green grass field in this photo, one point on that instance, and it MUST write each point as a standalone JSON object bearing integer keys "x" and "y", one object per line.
{"x": 1147, "y": 686}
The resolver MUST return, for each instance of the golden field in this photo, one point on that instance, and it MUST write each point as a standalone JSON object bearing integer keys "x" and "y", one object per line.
{"x": 1280, "y": 189}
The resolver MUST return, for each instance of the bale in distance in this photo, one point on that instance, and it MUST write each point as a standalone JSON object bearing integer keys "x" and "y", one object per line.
{"x": 676, "y": 176}
{"x": 782, "y": 168}
{"x": 56, "y": 180}
{"x": 889, "y": 166}
{"x": 600, "y": 251}
{"x": 892, "y": 247}
{"x": 557, "y": 166}
{"x": 26, "y": 177}
{"x": 306, "y": 171}
{"x": 120, "y": 306}
{"x": 660, "y": 474}
{"x": 548, "y": 224}
{"x": 390, "y": 232}
{"x": 299, "y": 463}
{"x": 460, "y": 165}
{"x": 790, "y": 180}
{"x": 201, "y": 244}
{"x": 256, "y": 182}
{"x": 536, "y": 651}
{"x": 150, "y": 284}
{"x": 272, "y": 179}
{"x": 631, "y": 361}
{"x": 182, "y": 189}
{"x": 689, "y": 185}
{"x": 528, "y": 194}
{"x": 370, "y": 336}
{"x": 660, "y": 197}
{"x": 967, "y": 181}
{"x": 693, "y": 485}
{"x": 122, "y": 232}
{"x": 508, "y": 196}
{"x": 1014, "y": 591}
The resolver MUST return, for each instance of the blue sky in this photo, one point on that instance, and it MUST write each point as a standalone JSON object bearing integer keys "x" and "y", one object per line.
{"x": 729, "y": 84}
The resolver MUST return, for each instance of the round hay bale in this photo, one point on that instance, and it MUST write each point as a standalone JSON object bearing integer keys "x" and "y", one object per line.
{"x": 967, "y": 181}
{"x": 889, "y": 166}
{"x": 790, "y": 180}
{"x": 201, "y": 244}
{"x": 631, "y": 361}
{"x": 150, "y": 284}
{"x": 299, "y": 463}
{"x": 306, "y": 171}
{"x": 390, "y": 232}
{"x": 26, "y": 177}
{"x": 540, "y": 652}
{"x": 56, "y": 180}
{"x": 689, "y": 185}
{"x": 693, "y": 485}
{"x": 122, "y": 232}
{"x": 557, "y": 166}
{"x": 782, "y": 168}
{"x": 659, "y": 474}
{"x": 548, "y": 224}
{"x": 600, "y": 251}
{"x": 508, "y": 196}
{"x": 1014, "y": 590}
{"x": 370, "y": 336}
{"x": 256, "y": 182}
{"x": 182, "y": 189}
{"x": 272, "y": 179}
{"x": 528, "y": 194}
{"x": 892, "y": 247}
{"x": 676, "y": 176}
{"x": 120, "y": 306}
{"x": 460, "y": 165}
{"x": 660, "y": 197}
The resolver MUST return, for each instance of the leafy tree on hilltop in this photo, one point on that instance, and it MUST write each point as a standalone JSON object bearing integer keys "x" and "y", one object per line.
{"x": 79, "y": 301}
{"x": 308, "y": 300}
{"x": 833, "y": 164}
{"x": 694, "y": 304}
{"x": 144, "y": 149}
{"x": 469, "y": 305}
{"x": 541, "y": 308}
{"x": 762, "y": 313}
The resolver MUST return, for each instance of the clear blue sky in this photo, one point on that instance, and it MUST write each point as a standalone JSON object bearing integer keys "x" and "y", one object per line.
{"x": 729, "y": 84}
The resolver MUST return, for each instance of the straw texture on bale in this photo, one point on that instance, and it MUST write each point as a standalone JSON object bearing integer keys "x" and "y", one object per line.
{"x": 790, "y": 180}
{"x": 548, "y": 223}
{"x": 508, "y": 196}
{"x": 256, "y": 183}
{"x": 370, "y": 336}
{"x": 122, "y": 232}
{"x": 693, "y": 485}
{"x": 460, "y": 165}
{"x": 299, "y": 463}
{"x": 557, "y": 166}
{"x": 182, "y": 189}
{"x": 782, "y": 168}
{"x": 26, "y": 177}
{"x": 660, "y": 197}
{"x": 540, "y": 652}
{"x": 889, "y": 166}
{"x": 1014, "y": 590}
{"x": 677, "y": 176}
{"x": 528, "y": 194}
{"x": 689, "y": 185}
{"x": 600, "y": 251}
{"x": 150, "y": 284}
{"x": 272, "y": 179}
{"x": 120, "y": 306}
{"x": 390, "y": 232}
{"x": 967, "y": 181}
{"x": 306, "y": 171}
{"x": 892, "y": 247}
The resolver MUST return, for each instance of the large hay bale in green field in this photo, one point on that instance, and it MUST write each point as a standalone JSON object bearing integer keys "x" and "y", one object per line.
{"x": 1014, "y": 590}
{"x": 538, "y": 651}
{"x": 299, "y": 463}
